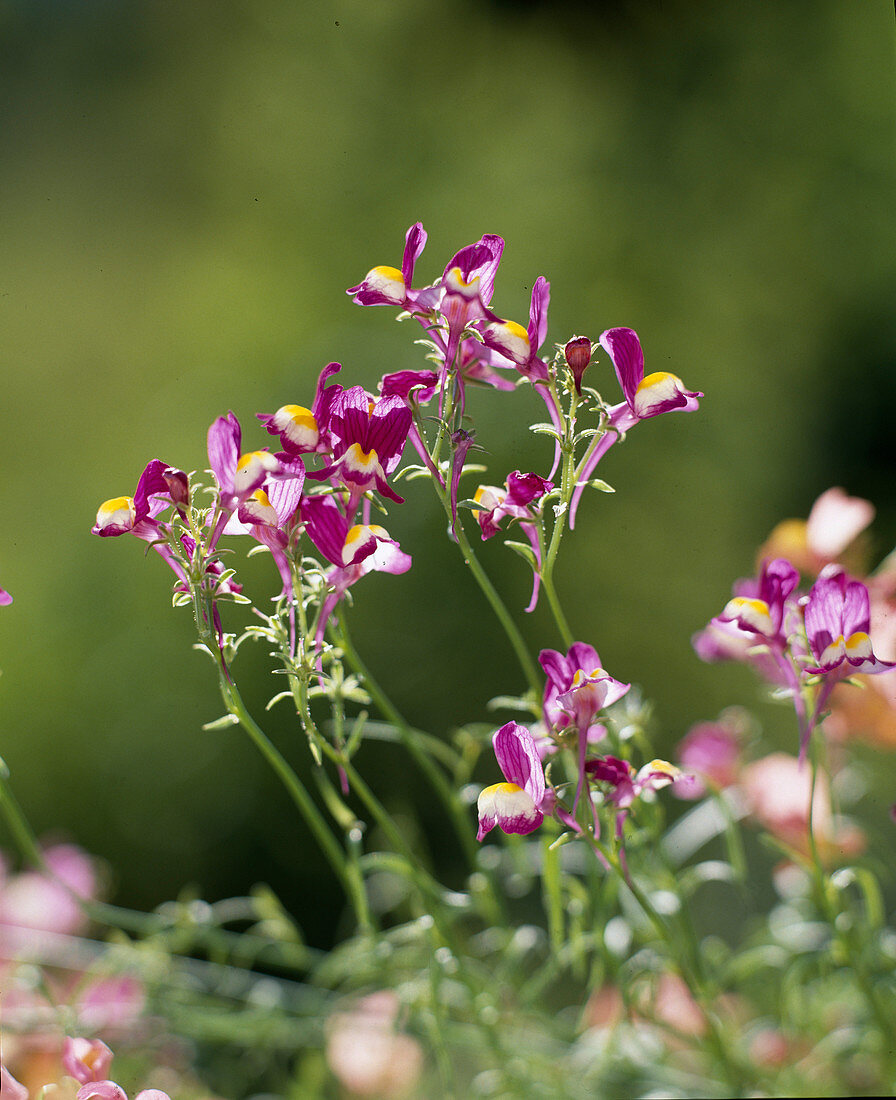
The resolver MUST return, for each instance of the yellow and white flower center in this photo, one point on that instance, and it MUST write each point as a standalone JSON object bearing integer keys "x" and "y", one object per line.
{"x": 251, "y": 469}
{"x": 512, "y": 338}
{"x": 489, "y": 496}
{"x": 387, "y": 281}
{"x": 365, "y": 463}
{"x": 298, "y": 425}
{"x": 117, "y": 512}
{"x": 506, "y": 800}
{"x": 358, "y": 536}
{"x": 754, "y": 612}
{"x": 857, "y": 647}
{"x": 259, "y": 507}
{"x": 655, "y": 389}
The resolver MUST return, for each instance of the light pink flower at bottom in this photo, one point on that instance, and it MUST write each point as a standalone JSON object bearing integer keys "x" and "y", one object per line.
{"x": 366, "y": 1052}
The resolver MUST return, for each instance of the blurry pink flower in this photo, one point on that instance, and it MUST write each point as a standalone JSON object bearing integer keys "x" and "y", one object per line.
{"x": 674, "y": 1005}
{"x": 86, "y": 1059}
{"x": 101, "y": 1090}
{"x": 712, "y": 750}
{"x": 366, "y": 1052}
{"x": 115, "y": 1002}
{"x": 10, "y": 1089}
{"x": 835, "y": 522}
{"x": 32, "y": 902}
{"x": 777, "y": 790}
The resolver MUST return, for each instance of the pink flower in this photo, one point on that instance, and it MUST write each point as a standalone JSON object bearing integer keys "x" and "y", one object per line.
{"x": 367, "y": 1052}
{"x": 713, "y": 751}
{"x": 777, "y": 790}
{"x": 838, "y": 618}
{"x": 515, "y": 806}
{"x": 86, "y": 1059}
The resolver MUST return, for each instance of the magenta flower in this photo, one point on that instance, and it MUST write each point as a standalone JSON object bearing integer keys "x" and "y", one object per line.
{"x": 369, "y": 435}
{"x": 305, "y": 431}
{"x": 387, "y": 286}
{"x": 625, "y": 784}
{"x": 355, "y": 550}
{"x": 517, "y": 805}
{"x": 763, "y": 611}
{"x": 518, "y": 500}
{"x": 136, "y": 515}
{"x": 514, "y": 501}
{"x": 657, "y": 393}
{"x": 238, "y": 475}
{"x": 521, "y": 345}
{"x": 577, "y": 687}
{"x": 837, "y": 612}
{"x": 467, "y": 286}
{"x": 644, "y": 397}
{"x": 5, "y": 598}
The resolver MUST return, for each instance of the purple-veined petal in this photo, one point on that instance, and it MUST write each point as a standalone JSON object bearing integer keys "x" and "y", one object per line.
{"x": 518, "y": 759}
{"x": 415, "y": 242}
{"x": 538, "y": 312}
{"x": 625, "y": 352}
{"x": 224, "y": 439}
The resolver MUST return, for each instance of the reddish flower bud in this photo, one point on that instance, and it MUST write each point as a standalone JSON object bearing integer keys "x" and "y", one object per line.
{"x": 178, "y": 485}
{"x": 578, "y": 356}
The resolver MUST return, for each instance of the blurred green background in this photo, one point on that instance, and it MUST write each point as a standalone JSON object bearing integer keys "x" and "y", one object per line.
{"x": 185, "y": 191}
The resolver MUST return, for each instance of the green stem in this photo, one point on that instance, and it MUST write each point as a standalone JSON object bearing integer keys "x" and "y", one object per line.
{"x": 685, "y": 958}
{"x": 302, "y": 800}
{"x": 459, "y": 816}
{"x": 499, "y": 607}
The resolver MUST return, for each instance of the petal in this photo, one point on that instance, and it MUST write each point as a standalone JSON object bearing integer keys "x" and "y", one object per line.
{"x": 509, "y": 807}
{"x": 538, "y": 312}
{"x": 415, "y": 242}
{"x": 518, "y": 759}
{"x": 224, "y": 438}
{"x": 624, "y": 349}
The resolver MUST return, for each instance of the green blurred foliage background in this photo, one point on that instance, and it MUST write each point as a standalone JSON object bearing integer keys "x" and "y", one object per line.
{"x": 185, "y": 191}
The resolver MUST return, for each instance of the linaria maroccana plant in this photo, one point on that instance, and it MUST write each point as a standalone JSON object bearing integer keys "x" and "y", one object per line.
{"x": 623, "y": 991}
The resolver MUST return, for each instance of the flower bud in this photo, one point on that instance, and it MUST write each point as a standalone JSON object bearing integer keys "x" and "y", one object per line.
{"x": 578, "y": 355}
{"x": 178, "y": 485}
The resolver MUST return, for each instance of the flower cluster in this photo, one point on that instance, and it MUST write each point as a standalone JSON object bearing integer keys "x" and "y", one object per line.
{"x": 85, "y": 1065}
{"x": 805, "y": 642}
{"x": 577, "y": 692}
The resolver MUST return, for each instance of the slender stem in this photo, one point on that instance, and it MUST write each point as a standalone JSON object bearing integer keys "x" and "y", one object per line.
{"x": 447, "y": 793}
{"x": 302, "y": 800}
{"x": 499, "y": 607}
{"x": 482, "y": 579}
{"x": 547, "y": 583}
{"x": 685, "y": 958}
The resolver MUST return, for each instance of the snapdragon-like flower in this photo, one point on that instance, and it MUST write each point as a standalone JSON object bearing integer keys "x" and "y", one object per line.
{"x": 369, "y": 435}
{"x": 306, "y": 431}
{"x": 136, "y": 515}
{"x": 5, "y": 598}
{"x": 648, "y": 396}
{"x": 354, "y": 550}
{"x": 838, "y": 619}
{"x": 577, "y": 687}
{"x": 521, "y": 345}
{"x": 624, "y": 784}
{"x": 519, "y": 500}
{"x": 387, "y": 286}
{"x": 645, "y": 397}
{"x": 763, "y": 612}
{"x": 760, "y": 625}
{"x": 518, "y": 804}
